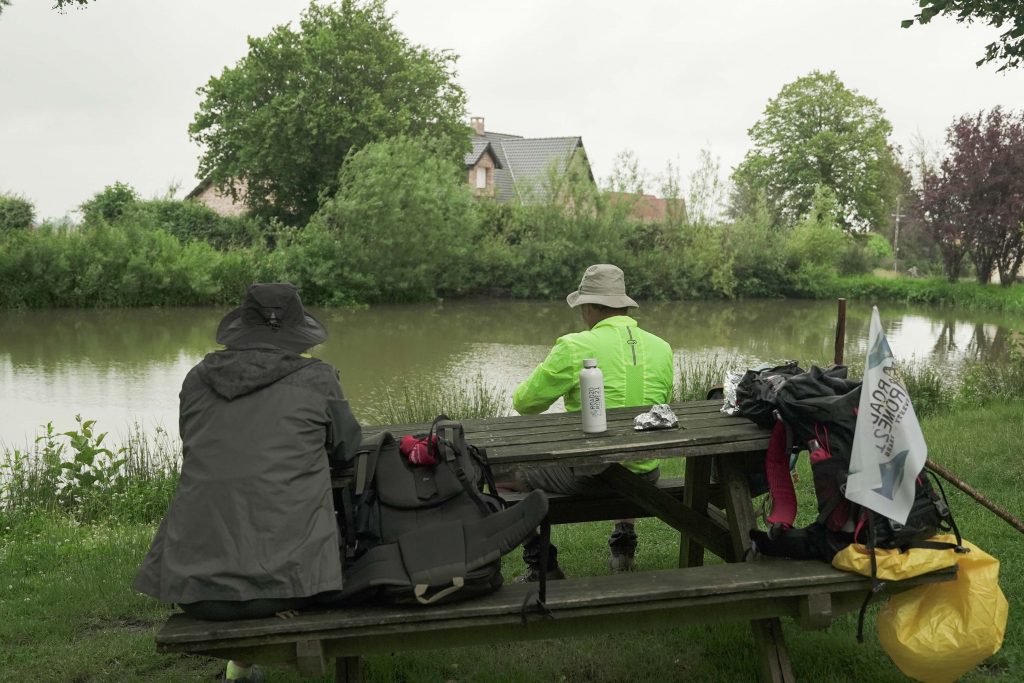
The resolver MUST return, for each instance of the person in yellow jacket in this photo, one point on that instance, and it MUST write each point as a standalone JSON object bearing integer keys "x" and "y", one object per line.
{"x": 638, "y": 371}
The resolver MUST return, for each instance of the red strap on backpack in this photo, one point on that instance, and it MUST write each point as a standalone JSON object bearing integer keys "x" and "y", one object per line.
{"x": 780, "y": 483}
{"x": 419, "y": 451}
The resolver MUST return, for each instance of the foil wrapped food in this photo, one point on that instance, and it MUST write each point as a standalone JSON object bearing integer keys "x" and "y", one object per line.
{"x": 658, "y": 417}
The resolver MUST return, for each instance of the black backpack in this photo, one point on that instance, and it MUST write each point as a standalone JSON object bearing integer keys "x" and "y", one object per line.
{"x": 428, "y": 534}
{"x": 817, "y": 411}
{"x": 758, "y": 388}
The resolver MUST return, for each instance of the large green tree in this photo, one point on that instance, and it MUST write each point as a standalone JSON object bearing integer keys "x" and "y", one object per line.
{"x": 1008, "y": 14}
{"x": 277, "y": 127}
{"x": 817, "y": 133}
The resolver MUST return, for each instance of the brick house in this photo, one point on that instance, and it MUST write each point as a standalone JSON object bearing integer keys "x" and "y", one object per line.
{"x": 206, "y": 193}
{"x": 505, "y": 167}
{"x": 513, "y": 168}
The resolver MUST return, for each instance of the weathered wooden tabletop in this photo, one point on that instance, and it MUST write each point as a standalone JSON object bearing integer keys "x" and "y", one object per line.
{"x": 557, "y": 438}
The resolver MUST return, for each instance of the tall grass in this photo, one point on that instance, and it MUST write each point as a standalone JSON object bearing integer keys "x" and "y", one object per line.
{"x": 697, "y": 376}
{"x": 423, "y": 401}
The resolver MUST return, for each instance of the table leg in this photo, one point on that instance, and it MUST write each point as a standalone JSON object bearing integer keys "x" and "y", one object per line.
{"x": 696, "y": 494}
{"x": 348, "y": 670}
{"x": 768, "y": 637}
{"x": 666, "y": 508}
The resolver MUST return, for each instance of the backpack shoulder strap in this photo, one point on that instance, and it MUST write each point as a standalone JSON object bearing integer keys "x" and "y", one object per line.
{"x": 780, "y": 482}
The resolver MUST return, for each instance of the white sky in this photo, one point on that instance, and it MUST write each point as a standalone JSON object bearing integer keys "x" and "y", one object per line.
{"x": 106, "y": 93}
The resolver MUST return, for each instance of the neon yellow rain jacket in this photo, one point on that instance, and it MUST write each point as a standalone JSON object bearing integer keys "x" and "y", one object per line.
{"x": 637, "y": 369}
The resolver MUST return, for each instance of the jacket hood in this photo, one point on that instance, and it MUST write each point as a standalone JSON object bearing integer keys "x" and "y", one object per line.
{"x": 236, "y": 372}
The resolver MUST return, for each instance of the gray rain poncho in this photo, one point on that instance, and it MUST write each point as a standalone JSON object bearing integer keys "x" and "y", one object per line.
{"x": 253, "y": 515}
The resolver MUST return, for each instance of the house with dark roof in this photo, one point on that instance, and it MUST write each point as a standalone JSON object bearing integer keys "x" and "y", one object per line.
{"x": 513, "y": 168}
{"x": 507, "y": 168}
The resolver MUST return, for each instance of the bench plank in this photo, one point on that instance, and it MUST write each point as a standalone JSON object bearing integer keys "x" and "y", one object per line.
{"x": 616, "y": 594}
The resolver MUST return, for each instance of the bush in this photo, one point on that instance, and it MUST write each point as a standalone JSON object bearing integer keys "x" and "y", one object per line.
{"x": 16, "y": 213}
{"x": 403, "y": 221}
{"x": 109, "y": 204}
{"x": 190, "y": 221}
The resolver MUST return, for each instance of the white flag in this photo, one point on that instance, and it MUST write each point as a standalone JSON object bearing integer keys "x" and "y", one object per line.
{"x": 888, "y": 447}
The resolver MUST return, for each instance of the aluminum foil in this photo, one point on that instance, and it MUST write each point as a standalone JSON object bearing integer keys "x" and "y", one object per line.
{"x": 658, "y": 417}
{"x": 732, "y": 378}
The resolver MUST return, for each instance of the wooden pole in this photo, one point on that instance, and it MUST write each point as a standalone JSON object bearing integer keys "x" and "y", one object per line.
{"x": 975, "y": 494}
{"x": 840, "y": 332}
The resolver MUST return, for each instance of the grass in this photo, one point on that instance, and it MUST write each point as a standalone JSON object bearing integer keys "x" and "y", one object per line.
{"x": 423, "y": 401}
{"x": 67, "y": 612}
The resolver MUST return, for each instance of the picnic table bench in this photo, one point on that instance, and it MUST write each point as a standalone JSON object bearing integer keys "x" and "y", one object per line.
{"x": 716, "y": 517}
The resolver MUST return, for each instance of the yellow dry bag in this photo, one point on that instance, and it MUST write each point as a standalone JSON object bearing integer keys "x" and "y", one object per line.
{"x": 937, "y": 632}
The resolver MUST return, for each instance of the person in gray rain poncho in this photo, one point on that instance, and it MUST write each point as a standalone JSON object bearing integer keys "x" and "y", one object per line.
{"x": 251, "y": 530}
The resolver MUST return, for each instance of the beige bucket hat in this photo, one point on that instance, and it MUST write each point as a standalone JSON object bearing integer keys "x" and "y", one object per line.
{"x": 602, "y": 284}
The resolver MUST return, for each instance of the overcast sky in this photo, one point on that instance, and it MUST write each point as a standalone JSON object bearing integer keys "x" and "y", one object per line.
{"x": 106, "y": 93}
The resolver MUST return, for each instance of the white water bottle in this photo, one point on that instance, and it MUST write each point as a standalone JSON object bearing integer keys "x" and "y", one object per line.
{"x": 592, "y": 398}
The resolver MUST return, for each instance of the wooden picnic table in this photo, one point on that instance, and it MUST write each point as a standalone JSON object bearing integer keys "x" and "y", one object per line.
{"x": 807, "y": 590}
{"x": 537, "y": 441}
{"x": 704, "y": 432}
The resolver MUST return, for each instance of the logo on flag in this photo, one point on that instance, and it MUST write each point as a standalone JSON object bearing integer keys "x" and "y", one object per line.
{"x": 888, "y": 447}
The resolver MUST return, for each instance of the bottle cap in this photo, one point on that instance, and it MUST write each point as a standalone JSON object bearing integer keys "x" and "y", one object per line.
{"x": 590, "y": 363}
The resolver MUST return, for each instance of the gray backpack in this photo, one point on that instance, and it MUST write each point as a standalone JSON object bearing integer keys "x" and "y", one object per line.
{"x": 428, "y": 534}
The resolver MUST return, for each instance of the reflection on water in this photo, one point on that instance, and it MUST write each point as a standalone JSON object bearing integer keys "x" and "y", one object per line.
{"x": 124, "y": 365}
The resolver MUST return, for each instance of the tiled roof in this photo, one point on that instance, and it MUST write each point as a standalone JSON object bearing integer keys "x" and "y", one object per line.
{"x": 525, "y": 163}
{"x": 480, "y": 147}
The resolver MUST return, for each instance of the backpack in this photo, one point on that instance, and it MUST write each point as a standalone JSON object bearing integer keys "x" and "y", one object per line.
{"x": 757, "y": 389}
{"x": 816, "y": 411}
{"x": 428, "y": 533}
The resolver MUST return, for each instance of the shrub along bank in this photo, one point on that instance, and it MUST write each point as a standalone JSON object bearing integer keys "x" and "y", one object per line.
{"x": 427, "y": 237}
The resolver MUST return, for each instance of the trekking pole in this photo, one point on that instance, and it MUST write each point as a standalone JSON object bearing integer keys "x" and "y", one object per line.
{"x": 840, "y": 332}
{"x": 975, "y": 494}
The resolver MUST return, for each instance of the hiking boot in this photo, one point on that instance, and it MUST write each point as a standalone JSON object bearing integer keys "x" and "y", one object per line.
{"x": 532, "y": 575}
{"x": 256, "y": 675}
{"x": 620, "y": 564}
{"x": 622, "y": 544}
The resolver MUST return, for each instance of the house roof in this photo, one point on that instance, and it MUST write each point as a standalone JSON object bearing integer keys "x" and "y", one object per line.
{"x": 481, "y": 147}
{"x": 524, "y": 163}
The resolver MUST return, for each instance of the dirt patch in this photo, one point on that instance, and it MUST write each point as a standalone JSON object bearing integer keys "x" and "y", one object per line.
{"x": 126, "y": 624}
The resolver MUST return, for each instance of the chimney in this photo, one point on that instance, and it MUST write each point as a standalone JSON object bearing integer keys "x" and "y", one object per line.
{"x": 477, "y": 124}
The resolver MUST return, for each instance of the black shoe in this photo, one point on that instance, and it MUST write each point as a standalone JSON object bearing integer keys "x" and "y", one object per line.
{"x": 532, "y": 575}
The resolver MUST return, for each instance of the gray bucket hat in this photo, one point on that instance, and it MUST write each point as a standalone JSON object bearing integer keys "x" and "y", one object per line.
{"x": 271, "y": 313}
{"x": 602, "y": 284}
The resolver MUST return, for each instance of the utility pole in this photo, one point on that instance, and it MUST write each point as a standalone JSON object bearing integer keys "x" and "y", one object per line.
{"x": 896, "y": 238}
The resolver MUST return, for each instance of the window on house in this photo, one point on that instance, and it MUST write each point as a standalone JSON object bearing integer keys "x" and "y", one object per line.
{"x": 481, "y": 177}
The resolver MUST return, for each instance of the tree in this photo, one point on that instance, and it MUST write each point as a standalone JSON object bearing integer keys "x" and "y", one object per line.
{"x": 817, "y": 133}
{"x": 277, "y": 126}
{"x": 59, "y": 5}
{"x": 109, "y": 204}
{"x": 1008, "y": 49}
{"x": 943, "y": 217}
{"x": 975, "y": 201}
{"x": 16, "y": 213}
{"x": 388, "y": 240}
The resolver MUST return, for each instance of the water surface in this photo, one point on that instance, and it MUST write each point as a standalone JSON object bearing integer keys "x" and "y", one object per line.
{"x": 122, "y": 366}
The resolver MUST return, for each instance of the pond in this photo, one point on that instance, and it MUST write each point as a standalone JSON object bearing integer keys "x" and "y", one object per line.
{"x": 126, "y": 366}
